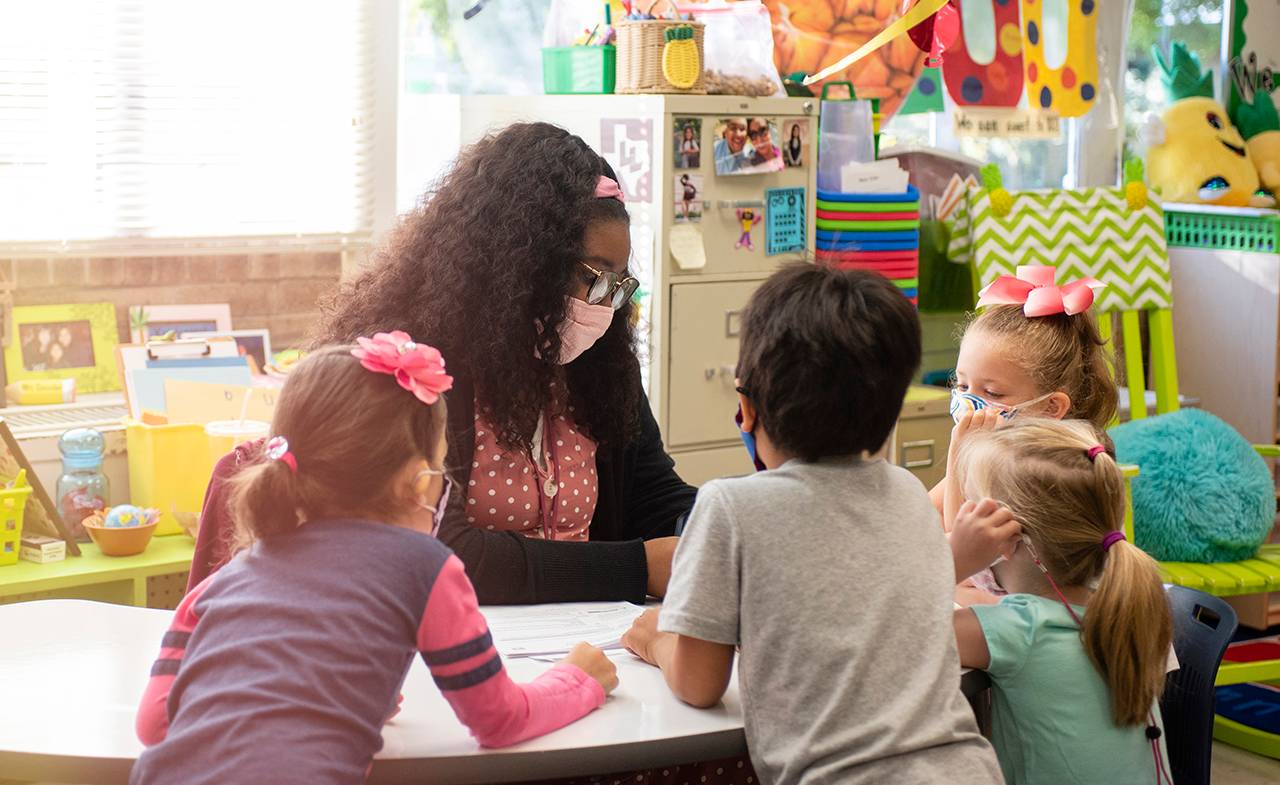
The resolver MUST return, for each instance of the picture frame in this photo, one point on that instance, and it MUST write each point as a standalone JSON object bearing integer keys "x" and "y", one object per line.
{"x": 41, "y": 516}
{"x": 75, "y": 341}
{"x": 149, "y": 321}
{"x": 254, "y": 345}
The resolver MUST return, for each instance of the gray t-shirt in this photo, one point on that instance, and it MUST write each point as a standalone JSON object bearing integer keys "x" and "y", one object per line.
{"x": 836, "y": 581}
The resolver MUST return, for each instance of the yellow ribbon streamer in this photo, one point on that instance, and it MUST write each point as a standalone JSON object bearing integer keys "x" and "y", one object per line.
{"x": 918, "y": 13}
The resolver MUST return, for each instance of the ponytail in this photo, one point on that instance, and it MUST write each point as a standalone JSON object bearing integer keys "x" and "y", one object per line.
{"x": 265, "y": 500}
{"x": 1127, "y": 632}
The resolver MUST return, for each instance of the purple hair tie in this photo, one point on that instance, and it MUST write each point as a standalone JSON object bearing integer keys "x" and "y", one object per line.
{"x": 1111, "y": 539}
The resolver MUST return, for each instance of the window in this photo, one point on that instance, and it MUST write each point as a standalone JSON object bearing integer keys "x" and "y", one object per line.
{"x": 174, "y": 118}
{"x": 1197, "y": 23}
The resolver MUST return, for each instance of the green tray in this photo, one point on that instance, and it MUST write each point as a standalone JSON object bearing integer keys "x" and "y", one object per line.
{"x": 1224, "y": 229}
{"x": 870, "y": 207}
{"x": 867, "y": 226}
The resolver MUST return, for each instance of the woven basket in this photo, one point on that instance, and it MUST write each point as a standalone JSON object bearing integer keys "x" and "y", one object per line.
{"x": 640, "y": 45}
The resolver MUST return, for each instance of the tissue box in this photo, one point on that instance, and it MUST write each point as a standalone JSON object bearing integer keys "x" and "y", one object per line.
{"x": 42, "y": 550}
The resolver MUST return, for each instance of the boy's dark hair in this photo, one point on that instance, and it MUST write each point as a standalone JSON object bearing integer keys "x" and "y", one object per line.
{"x": 826, "y": 358}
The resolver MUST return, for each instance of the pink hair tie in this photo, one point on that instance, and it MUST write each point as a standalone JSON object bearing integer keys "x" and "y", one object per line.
{"x": 278, "y": 450}
{"x": 1111, "y": 539}
{"x": 1094, "y": 451}
{"x": 607, "y": 188}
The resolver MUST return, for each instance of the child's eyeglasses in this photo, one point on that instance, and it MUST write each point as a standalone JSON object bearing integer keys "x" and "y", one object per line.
{"x": 611, "y": 286}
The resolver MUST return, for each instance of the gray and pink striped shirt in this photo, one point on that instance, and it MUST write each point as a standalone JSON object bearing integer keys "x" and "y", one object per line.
{"x": 284, "y": 665}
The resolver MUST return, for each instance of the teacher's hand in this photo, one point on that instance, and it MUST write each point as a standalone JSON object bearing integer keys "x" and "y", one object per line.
{"x": 595, "y": 664}
{"x": 658, "y": 554}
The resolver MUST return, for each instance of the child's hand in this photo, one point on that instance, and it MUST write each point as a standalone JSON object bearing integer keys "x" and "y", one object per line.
{"x": 970, "y": 423}
{"x": 595, "y": 664}
{"x": 982, "y": 532}
{"x": 640, "y": 638}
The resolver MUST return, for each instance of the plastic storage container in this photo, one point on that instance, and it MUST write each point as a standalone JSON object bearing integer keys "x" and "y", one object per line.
{"x": 169, "y": 470}
{"x": 579, "y": 70}
{"x": 1222, "y": 228}
{"x": 82, "y": 489}
{"x": 845, "y": 136}
{"x": 13, "y": 503}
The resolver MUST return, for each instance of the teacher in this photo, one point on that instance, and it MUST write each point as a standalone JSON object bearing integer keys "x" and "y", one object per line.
{"x": 516, "y": 268}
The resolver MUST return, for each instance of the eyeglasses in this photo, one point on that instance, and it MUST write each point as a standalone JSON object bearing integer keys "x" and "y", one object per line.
{"x": 611, "y": 286}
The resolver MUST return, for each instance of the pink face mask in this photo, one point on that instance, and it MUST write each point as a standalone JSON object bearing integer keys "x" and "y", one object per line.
{"x": 582, "y": 327}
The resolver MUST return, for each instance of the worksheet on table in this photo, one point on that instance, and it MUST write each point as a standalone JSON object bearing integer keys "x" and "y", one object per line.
{"x": 551, "y": 630}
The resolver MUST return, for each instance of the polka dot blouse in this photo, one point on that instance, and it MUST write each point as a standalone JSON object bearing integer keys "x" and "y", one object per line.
{"x": 511, "y": 492}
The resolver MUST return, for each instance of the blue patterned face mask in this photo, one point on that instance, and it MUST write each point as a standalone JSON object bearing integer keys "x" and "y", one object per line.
{"x": 963, "y": 403}
{"x": 750, "y": 441}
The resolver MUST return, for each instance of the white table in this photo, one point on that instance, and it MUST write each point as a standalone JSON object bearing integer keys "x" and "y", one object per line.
{"x": 74, "y": 670}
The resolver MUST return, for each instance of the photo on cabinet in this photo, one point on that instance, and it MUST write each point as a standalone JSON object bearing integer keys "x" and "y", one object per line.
{"x": 747, "y": 145}
{"x": 795, "y": 142}
{"x": 687, "y": 140}
{"x": 688, "y": 198}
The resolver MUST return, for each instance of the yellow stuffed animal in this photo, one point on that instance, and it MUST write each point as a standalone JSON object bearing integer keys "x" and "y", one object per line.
{"x": 1195, "y": 154}
{"x": 1260, "y": 126}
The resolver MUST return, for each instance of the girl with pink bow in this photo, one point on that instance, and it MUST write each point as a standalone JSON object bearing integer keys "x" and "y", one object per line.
{"x": 1033, "y": 351}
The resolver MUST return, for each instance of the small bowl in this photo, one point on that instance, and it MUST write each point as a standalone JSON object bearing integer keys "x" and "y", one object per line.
{"x": 119, "y": 541}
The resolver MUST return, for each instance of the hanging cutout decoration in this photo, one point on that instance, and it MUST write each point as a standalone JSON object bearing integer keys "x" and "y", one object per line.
{"x": 747, "y": 219}
{"x": 983, "y": 67}
{"x": 935, "y": 35}
{"x": 926, "y": 96}
{"x": 1060, "y": 52}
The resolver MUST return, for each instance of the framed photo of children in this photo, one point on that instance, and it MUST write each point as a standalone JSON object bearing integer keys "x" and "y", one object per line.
{"x": 40, "y": 515}
{"x": 65, "y": 342}
{"x": 795, "y": 143}
{"x": 153, "y": 321}
{"x": 253, "y": 345}
{"x": 687, "y": 140}
{"x": 747, "y": 145}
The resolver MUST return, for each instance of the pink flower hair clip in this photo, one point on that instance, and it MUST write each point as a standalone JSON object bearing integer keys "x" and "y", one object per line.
{"x": 1033, "y": 288}
{"x": 417, "y": 367}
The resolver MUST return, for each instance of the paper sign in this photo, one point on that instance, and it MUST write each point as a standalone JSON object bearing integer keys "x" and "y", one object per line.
{"x": 149, "y": 383}
{"x": 202, "y": 403}
{"x": 685, "y": 240}
{"x": 784, "y": 221}
{"x": 628, "y": 147}
{"x": 1006, "y": 123}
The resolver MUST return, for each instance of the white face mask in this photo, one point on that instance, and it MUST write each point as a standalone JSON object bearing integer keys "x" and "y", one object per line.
{"x": 583, "y": 325}
{"x": 964, "y": 402}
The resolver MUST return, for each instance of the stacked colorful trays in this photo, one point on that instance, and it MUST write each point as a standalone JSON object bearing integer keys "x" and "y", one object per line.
{"x": 879, "y": 232}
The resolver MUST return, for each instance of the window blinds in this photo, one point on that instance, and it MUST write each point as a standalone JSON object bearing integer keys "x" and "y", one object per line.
{"x": 175, "y": 118}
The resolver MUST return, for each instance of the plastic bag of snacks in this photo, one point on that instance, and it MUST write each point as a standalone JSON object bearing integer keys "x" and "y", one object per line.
{"x": 738, "y": 48}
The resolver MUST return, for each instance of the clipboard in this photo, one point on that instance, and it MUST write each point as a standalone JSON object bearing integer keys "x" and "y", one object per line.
{"x": 182, "y": 356}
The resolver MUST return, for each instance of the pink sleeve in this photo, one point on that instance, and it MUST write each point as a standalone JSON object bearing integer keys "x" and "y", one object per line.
{"x": 455, "y": 643}
{"x": 152, "y": 723}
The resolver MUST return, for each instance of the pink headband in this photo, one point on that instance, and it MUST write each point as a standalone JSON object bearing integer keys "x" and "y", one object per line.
{"x": 609, "y": 189}
{"x": 1033, "y": 288}
{"x": 416, "y": 367}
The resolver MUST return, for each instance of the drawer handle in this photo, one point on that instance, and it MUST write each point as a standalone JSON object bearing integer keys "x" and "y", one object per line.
{"x": 732, "y": 324}
{"x": 919, "y": 463}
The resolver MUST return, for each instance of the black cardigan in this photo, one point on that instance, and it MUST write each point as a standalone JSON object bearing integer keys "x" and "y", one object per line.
{"x": 640, "y": 497}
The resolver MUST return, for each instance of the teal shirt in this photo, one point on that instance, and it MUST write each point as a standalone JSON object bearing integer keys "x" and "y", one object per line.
{"x": 1051, "y": 709}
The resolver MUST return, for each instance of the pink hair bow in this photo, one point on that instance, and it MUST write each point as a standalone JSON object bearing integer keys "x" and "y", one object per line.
{"x": 1033, "y": 288}
{"x": 607, "y": 188}
{"x": 417, "y": 367}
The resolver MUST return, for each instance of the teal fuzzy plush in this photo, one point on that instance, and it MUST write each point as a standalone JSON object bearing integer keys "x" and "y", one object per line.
{"x": 1203, "y": 495}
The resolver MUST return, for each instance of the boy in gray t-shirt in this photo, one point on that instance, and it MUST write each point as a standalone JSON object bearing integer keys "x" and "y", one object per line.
{"x": 830, "y": 571}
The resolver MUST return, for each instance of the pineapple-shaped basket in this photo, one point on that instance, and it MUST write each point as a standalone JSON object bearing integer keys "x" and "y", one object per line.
{"x": 660, "y": 56}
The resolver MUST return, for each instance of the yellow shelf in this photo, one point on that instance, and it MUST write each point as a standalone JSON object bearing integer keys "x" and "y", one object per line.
{"x": 121, "y": 579}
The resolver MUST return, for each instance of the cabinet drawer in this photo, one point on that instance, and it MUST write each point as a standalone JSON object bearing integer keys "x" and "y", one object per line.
{"x": 706, "y": 321}
{"x": 700, "y": 466}
{"x": 920, "y": 445}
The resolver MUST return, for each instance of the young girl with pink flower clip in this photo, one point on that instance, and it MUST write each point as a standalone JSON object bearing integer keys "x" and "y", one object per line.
{"x": 304, "y": 639}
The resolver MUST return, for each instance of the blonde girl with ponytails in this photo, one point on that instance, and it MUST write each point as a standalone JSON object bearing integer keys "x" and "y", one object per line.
{"x": 1077, "y": 651}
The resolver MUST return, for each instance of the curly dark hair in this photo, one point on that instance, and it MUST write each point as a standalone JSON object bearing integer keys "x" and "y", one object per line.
{"x": 486, "y": 257}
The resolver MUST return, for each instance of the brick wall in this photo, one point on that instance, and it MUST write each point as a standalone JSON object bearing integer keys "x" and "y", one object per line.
{"x": 277, "y": 292}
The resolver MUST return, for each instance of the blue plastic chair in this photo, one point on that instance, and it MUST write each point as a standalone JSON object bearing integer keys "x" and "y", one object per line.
{"x": 1202, "y": 628}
